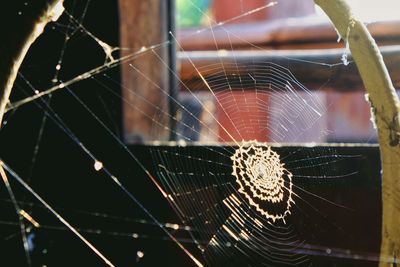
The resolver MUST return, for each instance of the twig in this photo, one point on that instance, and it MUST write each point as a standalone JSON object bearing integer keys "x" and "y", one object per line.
{"x": 385, "y": 109}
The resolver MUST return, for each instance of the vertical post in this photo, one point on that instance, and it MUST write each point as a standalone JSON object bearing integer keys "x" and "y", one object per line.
{"x": 144, "y": 78}
{"x": 173, "y": 83}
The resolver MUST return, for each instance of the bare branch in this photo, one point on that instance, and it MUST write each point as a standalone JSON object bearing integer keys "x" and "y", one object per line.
{"x": 385, "y": 108}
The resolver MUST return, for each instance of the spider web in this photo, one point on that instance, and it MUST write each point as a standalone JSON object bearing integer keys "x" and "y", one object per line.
{"x": 217, "y": 189}
{"x": 229, "y": 125}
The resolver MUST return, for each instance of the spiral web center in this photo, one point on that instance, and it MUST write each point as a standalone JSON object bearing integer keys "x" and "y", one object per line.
{"x": 263, "y": 179}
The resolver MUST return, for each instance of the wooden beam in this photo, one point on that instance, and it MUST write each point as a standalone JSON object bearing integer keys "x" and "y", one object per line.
{"x": 301, "y": 63}
{"x": 143, "y": 24}
{"x": 275, "y": 33}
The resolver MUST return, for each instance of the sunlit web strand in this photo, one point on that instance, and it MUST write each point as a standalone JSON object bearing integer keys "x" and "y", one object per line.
{"x": 58, "y": 216}
{"x": 304, "y": 249}
{"x": 94, "y": 231}
{"x": 60, "y": 123}
{"x": 221, "y": 24}
{"x": 82, "y": 77}
{"x": 173, "y": 165}
{"x": 161, "y": 110}
{"x": 115, "y": 62}
{"x": 134, "y": 157}
{"x": 204, "y": 197}
{"x": 103, "y": 126}
{"x": 36, "y": 150}
{"x": 207, "y": 85}
{"x": 317, "y": 114}
{"x": 106, "y": 216}
{"x": 18, "y": 213}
